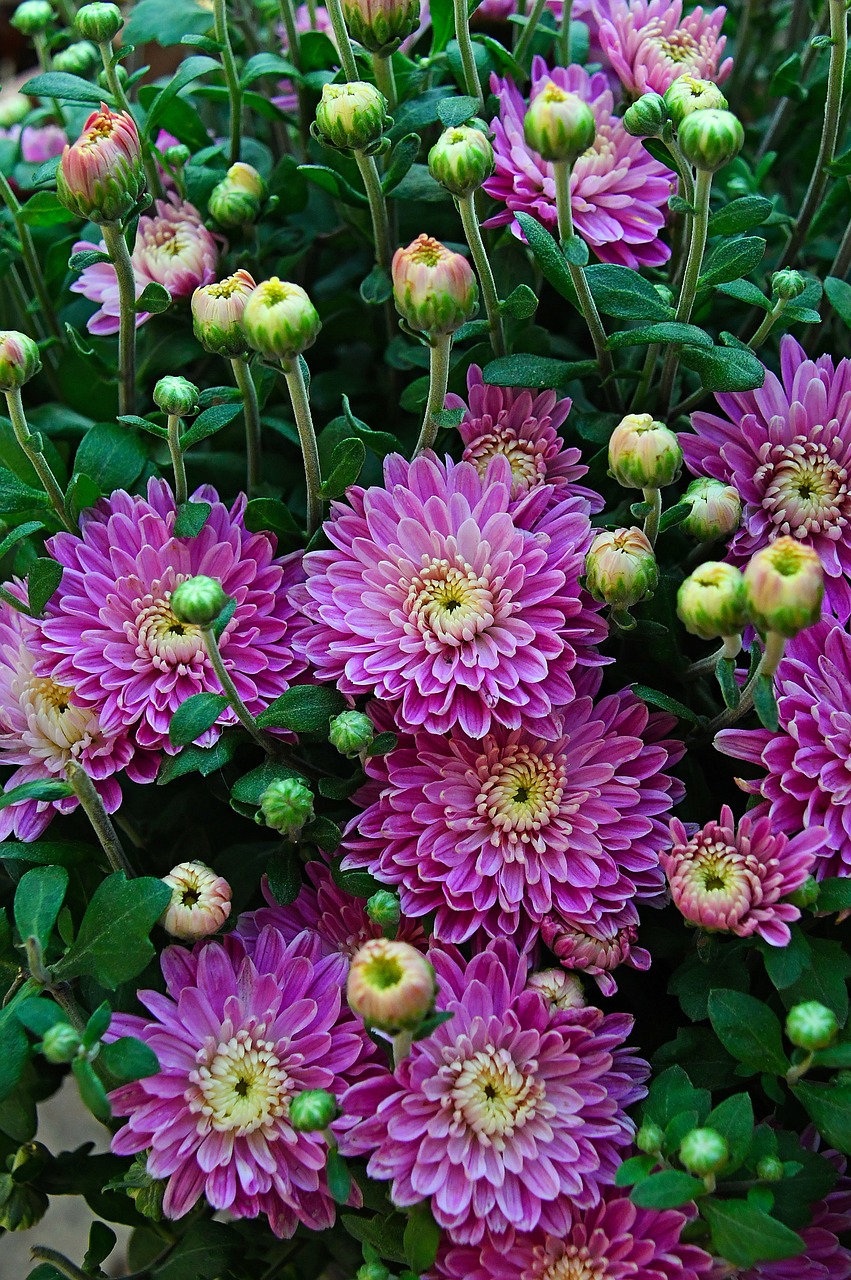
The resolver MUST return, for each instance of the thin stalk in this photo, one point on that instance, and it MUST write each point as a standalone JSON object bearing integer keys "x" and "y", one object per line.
{"x": 229, "y": 689}
{"x": 30, "y": 257}
{"x": 472, "y": 84}
{"x": 787, "y": 106}
{"x": 731, "y": 648}
{"x": 587, "y": 304}
{"x": 307, "y": 436}
{"x": 438, "y": 381}
{"x": 92, "y": 806}
{"x": 311, "y": 13}
{"x": 402, "y": 1042}
{"x": 529, "y": 30}
{"x": 651, "y": 520}
{"x": 490, "y": 297}
{"x": 842, "y": 261}
{"x": 688, "y": 290}
{"x": 685, "y": 189}
{"x": 769, "y": 320}
{"x": 220, "y": 19}
{"x": 377, "y": 208}
{"x": 116, "y": 88}
{"x": 564, "y": 33}
{"x": 251, "y": 414}
{"x": 341, "y": 40}
{"x": 40, "y": 1253}
{"x": 385, "y": 78}
{"x": 42, "y": 467}
{"x": 691, "y": 402}
{"x": 794, "y": 1074}
{"x": 294, "y": 51}
{"x": 768, "y": 664}
{"x": 177, "y": 461}
{"x": 643, "y": 387}
{"x": 116, "y": 247}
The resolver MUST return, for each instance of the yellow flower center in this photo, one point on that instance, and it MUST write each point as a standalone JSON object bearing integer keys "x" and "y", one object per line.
{"x": 679, "y": 46}
{"x": 52, "y": 716}
{"x": 806, "y": 490}
{"x": 575, "y": 1263}
{"x": 164, "y": 639}
{"x": 522, "y": 794}
{"x": 491, "y": 1096}
{"x": 243, "y": 1086}
{"x": 525, "y": 457}
{"x": 450, "y": 602}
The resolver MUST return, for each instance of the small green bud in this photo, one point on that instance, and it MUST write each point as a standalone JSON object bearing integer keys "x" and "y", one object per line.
{"x": 770, "y": 1169}
{"x": 712, "y": 601}
{"x": 99, "y": 22}
{"x": 372, "y": 1271}
{"x": 61, "y": 1042}
{"x": 461, "y": 160}
{"x": 716, "y": 510}
{"x": 176, "y": 397}
{"x": 19, "y": 359}
{"x": 14, "y": 109}
{"x": 811, "y": 1026}
{"x": 559, "y": 125}
{"x": 351, "y": 117}
{"x": 649, "y": 1138}
{"x": 647, "y": 117}
{"x": 312, "y": 1109}
{"x": 178, "y": 156}
{"x": 287, "y": 806}
{"x": 710, "y": 139}
{"x": 28, "y": 1161}
{"x": 32, "y": 17}
{"x": 198, "y": 601}
{"x": 621, "y": 567}
{"x": 687, "y": 94}
{"x": 788, "y": 284}
{"x": 785, "y": 587}
{"x": 77, "y": 59}
{"x": 121, "y": 73}
{"x": 383, "y": 907}
{"x": 704, "y": 1151}
{"x": 279, "y": 320}
{"x": 351, "y": 732}
{"x": 236, "y": 200}
{"x": 643, "y": 453}
{"x": 381, "y": 25}
{"x": 806, "y": 895}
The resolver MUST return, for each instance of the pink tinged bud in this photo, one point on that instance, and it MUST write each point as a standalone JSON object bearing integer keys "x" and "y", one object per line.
{"x": 559, "y": 125}
{"x": 643, "y": 453}
{"x": 279, "y": 320}
{"x": 200, "y": 902}
{"x": 562, "y": 991}
{"x": 381, "y": 25}
{"x": 688, "y": 93}
{"x": 217, "y": 315}
{"x": 19, "y": 359}
{"x": 434, "y": 289}
{"x": 595, "y": 949}
{"x": 785, "y": 587}
{"x": 621, "y": 567}
{"x": 391, "y": 985}
{"x": 236, "y": 200}
{"x": 716, "y": 509}
{"x": 713, "y": 601}
{"x": 100, "y": 177}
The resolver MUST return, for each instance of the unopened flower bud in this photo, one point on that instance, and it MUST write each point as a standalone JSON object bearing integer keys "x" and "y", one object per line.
{"x": 704, "y": 1151}
{"x": 787, "y": 284}
{"x": 562, "y": 991}
{"x": 287, "y": 806}
{"x": 391, "y": 985}
{"x": 643, "y": 453}
{"x": 177, "y": 156}
{"x": 32, "y": 17}
{"x": 649, "y": 1138}
{"x": 99, "y": 22}
{"x": 647, "y": 117}
{"x": 312, "y": 1109}
{"x": 785, "y": 586}
{"x": 198, "y": 600}
{"x": 29, "y": 1160}
{"x": 383, "y": 907}
{"x": 351, "y": 117}
{"x": 78, "y": 59}
{"x": 21, "y": 1204}
{"x": 217, "y": 311}
{"x": 688, "y": 93}
{"x": 101, "y": 176}
{"x": 716, "y": 510}
{"x": 122, "y": 75}
{"x": 806, "y": 895}
{"x": 60, "y": 1042}
{"x": 434, "y": 289}
{"x": 621, "y": 567}
{"x": 372, "y": 1271}
{"x": 710, "y": 139}
{"x": 200, "y": 901}
{"x": 19, "y": 359}
{"x": 14, "y": 109}
{"x": 770, "y": 1169}
{"x": 811, "y": 1026}
{"x": 461, "y": 159}
{"x": 279, "y": 320}
{"x": 381, "y": 25}
{"x": 236, "y": 200}
{"x": 559, "y": 125}
{"x": 351, "y": 732}
{"x": 712, "y": 601}
{"x": 175, "y": 395}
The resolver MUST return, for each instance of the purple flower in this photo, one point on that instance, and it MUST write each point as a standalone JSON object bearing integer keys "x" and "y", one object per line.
{"x": 807, "y": 782}
{"x": 40, "y": 144}
{"x": 522, "y": 425}
{"x": 650, "y": 44}
{"x": 110, "y": 632}
{"x": 731, "y": 879}
{"x": 437, "y": 598}
{"x": 597, "y": 949}
{"x": 619, "y": 193}
{"x": 497, "y": 834}
{"x": 787, "y": 450}
{"x": 237, "y": 1038}
{"x": 510, "y": 1116}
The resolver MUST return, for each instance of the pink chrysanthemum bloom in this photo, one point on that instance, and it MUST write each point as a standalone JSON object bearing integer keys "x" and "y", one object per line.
{"x": 510, "y": 1115}
{"x": 436, "y": 597}
{"x": 496, "y": 834}
{"x": 41, "y": 143}
{"x": 807, "y": 783}
{"x": 238, "y": 1037}
{"x": 730, "y": 879}
{"x": 111, "y": 634}
{"x": 597, "y": 949}
{"x": 650, "y": 44}
{"x": 522, "y": 425}
{"x": 619, "y": 193}
{"x": 173, "y": 248}
{"x": 787, "y": 449}
{"x": 44, "y": 725}
{"x": 613, "y": 1241}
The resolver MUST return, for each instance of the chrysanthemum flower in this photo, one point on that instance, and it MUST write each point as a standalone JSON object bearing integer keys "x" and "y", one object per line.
{"x": 650, "y": 44}
{"x": 110, "y": 632}
{"x": 38, "y": 143}
{"x": 436, "y": 598}
{"x": 509, "y": 1116}
{"x": 619, "y": 193}
{"x": 173, "y": 248}
{"x": 597, "y": 949}
{"x": 497, "y": 834}
{"x": 522, "y": 425}
{"x": 731, "y": 879}
{"x": 237, "y": 1038}
{"x": 807, "y": 783}
{"x": 787, "y": 450}
{"x": 200, "y": 901}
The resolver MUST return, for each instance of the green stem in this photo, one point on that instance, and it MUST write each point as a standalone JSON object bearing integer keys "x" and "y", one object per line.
{"x": 177, "y": 462}
{"x": 229, "y": 689}
{"x": 529, "y": 30}
{"x": 472, "y": 83}
{"x": 385, "y": 78}
{"x": 307, "y": 436}
{"x": 294, "y": 51}
{"x": 251, "y": 413}
{"x": 377, "y": 208}
{"x": 587, "y": 305}
{"x": 220, "y": 19}
{"x": 119, "y": 254}
{"x": 116, "y": 88}
{"x": 92, "y": 806}
{"x": 731, "y": 648}
{"x": 24, "y": 437}
{"x": 768, "y": 322}
{"x": 643, "y": 387}
{"x": 402, "y": 1042}
{"x": 341, "y": 40}
{"x": 564, "y": 33}
{"x": 57, "y": 1260}
{"x": 794, "y": 1074}
{"x": 688, "y": 289}
{"x": 490, "y": 297}
{"x": 651, "y": 520}
{"x": 842, "y": 261}
{"x": 438, "y": 381}
{"x": 30, "y": 257}
{"x": 768, "y": 664}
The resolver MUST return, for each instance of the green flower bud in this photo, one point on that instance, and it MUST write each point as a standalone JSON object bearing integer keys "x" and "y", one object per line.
{"x": 712, "y": 601}
{"x": 644, "y": 454}
{"x": 177, "y": 156}
{"x": 99, "y": 22}
{"x": 32, "y": 17}
{"x": 78, "y": 59}
{"x": 21, "y": 1204}
{"x": 287, "y": 806}
{"x": 351, "y": 117}
{"x": 710, "y": 139}
{"x": 174, "y": 395}
{"x": 372, "y": 1271}
{"x": 14, "y": 110}
{"x": 461, "y": 159}
{"x": 279, "y": 320}
{"x": 198, "y": 601}
{"x": 647, "y": 117}
{"x": 121, "y": 74}
{"x": 381, "y": 25}
{"x": 19, "y": 359}
{"x": 311, "y": 1110}
{"x": 788, "y": 284}
{"x": 217, "y": 311}
{"x": 785, "y": 587}
{"x": 434, "y": 289}
{"x": 811, "y": 1026}
{"x": 806, "y": 895}
{"x": 770, "y": 1169}
{"x": 351, "y": 732}
{"x": 61, "y": 1042}
{"x": 716, "y": 510}
{"x": 236, "y": 200}
{"x": 704, "y": 1151}
{"x": 383, "y": 907}
{"x": 559, "y": 125}
{"x": 621, "y": 567}
{"x": 687, "y": 94}
{"x": 650, "y": 1138}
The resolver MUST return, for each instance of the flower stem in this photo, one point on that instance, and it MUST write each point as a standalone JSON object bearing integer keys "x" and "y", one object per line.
{"x": 490, "y": 297}
{"x": 377, "y": 208}
{"x": 472, "y": 84}
{"x": 177, "y": 462}
{"x": 768, "y": 664}
{"x": 438, "y": 381}
{"x": 294, "y": 51}
{"x": 30, "y": 257}
{"x": 529, "y": 31}
{"x": 402, "y": 1042}
{"x": 92, "y": 806}
{"x": 251, "y": 413}
{"x": 220, "y": 19}
{"x": 40, "y": 1253}
{"x": 587, "y": 305}
{"x": 25, "y": 439}
{"x": 341, "y": 40}
{"x": 730, "y": 649}
{"x": 564, "y": 33}
{"x": 842, "y": 261}
{"x": 385, "y": 78}
{"x": 307, "y": 436}
{"x": 116, "y": 245}
{"x": 229, "y": 689}
{"x": 769, "y": 320}
{"x": 688, "y": 289}
{"x": 794, "y": 1074}
{"x": 651, "y": 520}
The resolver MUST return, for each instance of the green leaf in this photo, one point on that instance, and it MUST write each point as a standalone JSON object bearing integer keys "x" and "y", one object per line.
{"x": 283, "y": 874}
{"x": 674, "y": 516}
{"x": 834, "y": 894}
{"x": 734, "y": 1120}
{"x": 402, "y": 157}
{"x": 16, "y": 1051}
{"x": 111, "y": 456}
{"x": 431, "y": 1023}
{"x": 304, "y": 708}
{"x": 165, "y": 22}
{"x": 784, "y": 965}
{"x": 272, "y": 515}
{"x": 346, "y": 463}
{"x": 92, "y": 1092}
{"x": 208, "y": 423}
{"x": 765, "y": 703}
{"x": 87, "y": 258}
{"x": 44, "y": 210}
{"x": 97, "y": 1025}
{"x": 82, "y": 493}
{"x": 725, "y": 369}
{"x": 382, "y": 744}
{"x": 673, "y": 1093}
{"x": 623, "y": 293}
{"x": 748, "y": 1030}
{"x": 538, "y": 373}
{"x": 40, "y": 789}
{"x": 154, "y": 299}
{"x": 323, "y": 833}
{"x": 102, "y": 1241}
{"x": 825, "y": 979}
{"x": 731, "y": 261}
{"x": 671, "y": 705}
{"x": 746, "y": 291}
{"x": 740, "y": 215}
{"x": 666, "y": 1190}
{"x": 112, "y": 943}
{"x": 634, "y": 1170}
{"x": 266, "y": 64}
{"x": 42, "y": 580}
{"x": 421, "y": 1239}
{"x": 19, "y": 532}
{"x": 575, "y": 251}
{"x": 338, "y": 1176}
{"x": 248, "y": 789}
{"x": 786, "y": 80}
{"x": 383, "y": 1234}
{"x": 745, "y": 1235}
{"x": 521, "y": 303}
{"x": 204, "y": 1253}
{"x": 195, "y": 716}
{"x": 38, "y": 898}
{"x": 67, "y": 88}
{"x": 190, "y": 69}
{"x": 128, "y": 1059}
{"x": 548, "y": 255}
{"x": 191, "y": 518}
{"x": 839, "y": 296}
{"x": 452, "y": 112}
{"x": 377, "y": 287}
{"x": 16, "y": 496}
{"x": 39, "y": 1015}
{"x": 327, "y": 179}
{"x": 203, "y": 760}
{"x": 666, "y": 332}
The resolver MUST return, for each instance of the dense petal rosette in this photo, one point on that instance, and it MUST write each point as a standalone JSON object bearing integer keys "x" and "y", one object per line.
{"x": 650, "y": 44}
